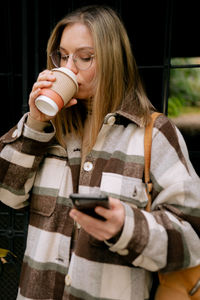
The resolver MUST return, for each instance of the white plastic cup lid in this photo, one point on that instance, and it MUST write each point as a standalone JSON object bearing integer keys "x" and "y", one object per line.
{"x": 46, "y": 105}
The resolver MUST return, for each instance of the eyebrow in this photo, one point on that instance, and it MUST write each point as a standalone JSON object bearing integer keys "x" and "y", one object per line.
{"x": 81, "y": 48}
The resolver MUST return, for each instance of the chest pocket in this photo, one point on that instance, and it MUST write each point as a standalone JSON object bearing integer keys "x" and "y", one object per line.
{"x": 47, "y": 185}
{"x": 131, "y": 190}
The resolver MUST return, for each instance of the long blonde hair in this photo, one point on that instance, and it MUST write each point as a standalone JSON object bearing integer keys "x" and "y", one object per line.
{"x": 116, "y": 78}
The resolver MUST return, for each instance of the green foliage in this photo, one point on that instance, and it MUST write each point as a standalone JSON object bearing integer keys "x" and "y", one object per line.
{"x": 175, "y": 105}
{"x": 184, "y": 85}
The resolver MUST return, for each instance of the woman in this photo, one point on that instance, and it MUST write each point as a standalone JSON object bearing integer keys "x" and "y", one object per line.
{"x": 95, "y": 145}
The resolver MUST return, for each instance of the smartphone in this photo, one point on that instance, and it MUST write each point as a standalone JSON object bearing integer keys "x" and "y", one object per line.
{"x": 87, "y": 202}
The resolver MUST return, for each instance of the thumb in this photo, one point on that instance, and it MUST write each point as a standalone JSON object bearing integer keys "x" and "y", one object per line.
{"x": 114, "y": 203}
{"x": 72, "y": 102}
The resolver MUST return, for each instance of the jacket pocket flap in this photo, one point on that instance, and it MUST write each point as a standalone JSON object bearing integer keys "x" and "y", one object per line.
{"x": 129, "y": 189}
{"x": 43, "y": 205}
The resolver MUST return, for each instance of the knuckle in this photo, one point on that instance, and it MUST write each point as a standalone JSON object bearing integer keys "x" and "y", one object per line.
{"x": 108, "y": 236}
{"x": 41, "y": 75}
{"x": 35, "y": 86}
{"x": 110, "y": 232}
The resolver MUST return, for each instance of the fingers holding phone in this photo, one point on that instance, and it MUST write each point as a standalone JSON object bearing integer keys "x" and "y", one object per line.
{"x": 105, "y": 220}
{"x": 87, "y": 203}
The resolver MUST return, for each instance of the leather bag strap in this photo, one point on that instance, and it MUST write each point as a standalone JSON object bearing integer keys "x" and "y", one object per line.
{"x": 147, "y": 157}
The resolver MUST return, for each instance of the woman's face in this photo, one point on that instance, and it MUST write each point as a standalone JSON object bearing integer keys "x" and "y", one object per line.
{"x": 76, "y": 38}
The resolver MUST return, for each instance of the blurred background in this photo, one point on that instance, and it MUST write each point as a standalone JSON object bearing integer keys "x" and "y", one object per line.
{"x": 164, "y": 37}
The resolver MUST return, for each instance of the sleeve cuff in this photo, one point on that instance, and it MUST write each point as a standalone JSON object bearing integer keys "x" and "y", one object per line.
{"x": 37, "y": 125}
{"x": 34, "y": 130}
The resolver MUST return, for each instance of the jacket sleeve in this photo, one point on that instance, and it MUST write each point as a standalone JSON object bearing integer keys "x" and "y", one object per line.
{"x": 166, "y": 239}
{"x": 21, "y": 151}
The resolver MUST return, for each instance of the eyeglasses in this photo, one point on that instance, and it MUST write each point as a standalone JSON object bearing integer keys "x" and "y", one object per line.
{"x": 82, "y": 58}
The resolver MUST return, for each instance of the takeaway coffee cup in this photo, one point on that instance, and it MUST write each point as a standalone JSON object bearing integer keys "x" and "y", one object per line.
{"x": 52, "y": 99}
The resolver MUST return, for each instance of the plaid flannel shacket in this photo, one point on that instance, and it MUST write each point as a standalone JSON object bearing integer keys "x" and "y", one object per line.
{"x": 33, "y": 169}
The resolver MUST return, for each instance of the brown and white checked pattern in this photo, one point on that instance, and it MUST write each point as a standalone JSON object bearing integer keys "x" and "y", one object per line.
{"x": 30, "y": 163}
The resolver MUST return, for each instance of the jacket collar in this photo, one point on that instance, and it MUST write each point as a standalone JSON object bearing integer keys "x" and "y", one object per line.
{"x": 129, "y": 111}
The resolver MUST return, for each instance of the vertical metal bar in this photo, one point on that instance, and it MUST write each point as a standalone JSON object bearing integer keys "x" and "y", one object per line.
{"x": 118, "y": 6}
{"x": 10, "y": 72}
{"x": 9, "y": 39}
{"x": 24, "y": 57}
{"x": 52, "y": 16}
{"x": 167, "y": 56}
{"x": 36, "y": 38}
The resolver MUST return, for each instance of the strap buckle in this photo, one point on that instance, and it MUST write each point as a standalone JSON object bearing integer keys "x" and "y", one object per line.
{"x": 195, "y": 288}
{"x": 149, "y": 187}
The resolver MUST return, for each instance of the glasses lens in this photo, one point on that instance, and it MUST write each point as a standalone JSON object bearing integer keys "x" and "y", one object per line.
{"x": 83, "y": 60}
{"x": 55, "y": 57}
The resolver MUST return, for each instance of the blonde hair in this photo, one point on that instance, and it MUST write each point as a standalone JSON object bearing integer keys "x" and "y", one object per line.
{"x": 117, "y": 76}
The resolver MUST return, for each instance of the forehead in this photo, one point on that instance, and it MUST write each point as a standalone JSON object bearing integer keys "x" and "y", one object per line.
{"x": 76, "y": 36}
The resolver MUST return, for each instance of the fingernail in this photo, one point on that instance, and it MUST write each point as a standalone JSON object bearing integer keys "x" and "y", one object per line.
{"x": 73, "y": 213}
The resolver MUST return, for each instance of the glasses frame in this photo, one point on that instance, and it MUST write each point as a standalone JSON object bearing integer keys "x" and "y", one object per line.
{"x": 73, "y": 55}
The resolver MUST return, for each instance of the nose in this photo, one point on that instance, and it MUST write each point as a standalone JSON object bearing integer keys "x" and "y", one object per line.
{"x": 71, "y": 65}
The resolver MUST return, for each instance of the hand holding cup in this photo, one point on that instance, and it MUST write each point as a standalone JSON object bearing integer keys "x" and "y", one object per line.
{"x": 44, "y": 81}
{"x": 53, "y": 99}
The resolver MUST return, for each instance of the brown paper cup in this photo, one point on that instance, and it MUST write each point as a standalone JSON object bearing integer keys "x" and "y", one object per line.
{"x": 51, "y": 100}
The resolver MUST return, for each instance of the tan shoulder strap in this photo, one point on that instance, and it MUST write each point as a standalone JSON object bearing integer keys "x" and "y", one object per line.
{"x": 147, "y": 157}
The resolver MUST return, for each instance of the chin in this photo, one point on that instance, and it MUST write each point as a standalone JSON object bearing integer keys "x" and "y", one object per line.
{"x": 83, "y": 96}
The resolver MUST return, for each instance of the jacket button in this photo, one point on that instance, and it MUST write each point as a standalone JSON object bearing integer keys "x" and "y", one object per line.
{"x": 123, "y": 252}
{"x": 88, "y": 166}
{"x": 15, "y": 133}
{"x": 111, "y": 120}
{"x": 68, "y": 280}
